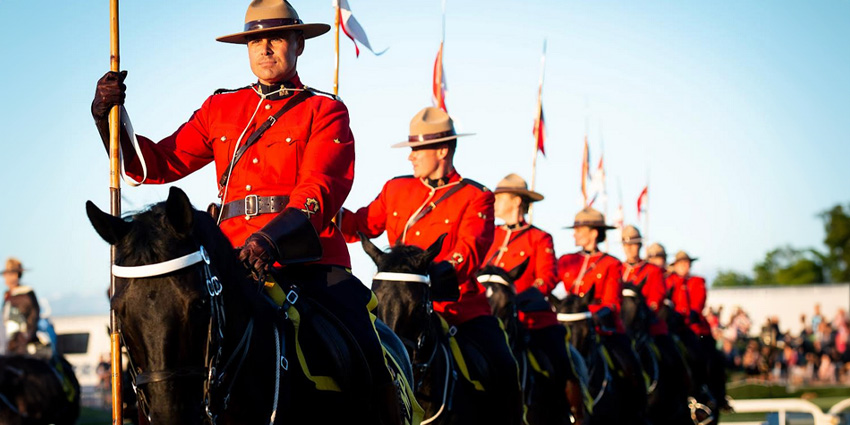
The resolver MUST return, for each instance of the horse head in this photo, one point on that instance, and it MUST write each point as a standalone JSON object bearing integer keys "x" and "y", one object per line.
{"x": 574, "y": 312}
{"x": 501, "y": 292}
{"x": 634, "y": 311}
{"x": 403, "y": 289}
{"x": 168, "y": 262}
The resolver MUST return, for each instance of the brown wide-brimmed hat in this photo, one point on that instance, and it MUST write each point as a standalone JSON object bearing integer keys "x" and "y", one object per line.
{"x": 13, "y": 265}
{"x": 683, "y": 256}
{"x": 266, "y": 16}
{"x": 591, "y": 218}
{"x": 656, "y": 250}
{"x": 513, "y": 183}
{"x": 631, "y": 236}
{"x": 430, "y": 125}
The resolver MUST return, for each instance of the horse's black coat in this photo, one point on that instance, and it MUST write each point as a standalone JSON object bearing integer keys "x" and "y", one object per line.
{"x": 32, "y": 387}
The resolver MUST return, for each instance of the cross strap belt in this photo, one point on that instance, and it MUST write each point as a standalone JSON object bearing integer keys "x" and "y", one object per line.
{"x": 254, "y": 205}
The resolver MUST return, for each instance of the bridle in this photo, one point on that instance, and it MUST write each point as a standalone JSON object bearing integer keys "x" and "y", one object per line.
{"x": 215, "y": 332}
{"x": 423, "y": 367}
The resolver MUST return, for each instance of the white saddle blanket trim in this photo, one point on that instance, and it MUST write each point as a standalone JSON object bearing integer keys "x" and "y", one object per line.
{"x": 402, "y": 277}
{"x": 128, "y": 127}
{"x": 158, "y": 269}
{"x": 574, "y": 317}
{"x": 494, "y": 278}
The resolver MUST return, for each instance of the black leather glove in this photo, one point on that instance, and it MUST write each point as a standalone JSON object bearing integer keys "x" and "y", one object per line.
{"x": 694, "y": 317}
{"x": 606, "y": 320}
{"x": 444, "y": 283}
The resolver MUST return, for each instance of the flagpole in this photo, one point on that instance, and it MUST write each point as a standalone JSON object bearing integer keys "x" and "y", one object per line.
{"x": 537, "y": 133}
{"x": 336, "y": 47}
{"x": 647, "y": 205}
{"x": 115, "y": 210}
{"x": 604, "y": 184}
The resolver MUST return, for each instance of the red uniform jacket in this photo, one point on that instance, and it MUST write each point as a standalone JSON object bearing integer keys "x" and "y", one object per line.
{"x": 466, "y": 217}
{"x": 513, "y": 246}
{"x": 580, "y": 272}
{"x": 689, "y": 294}
{"x": 307, "y": 154}
{"x": 653, "y": 289}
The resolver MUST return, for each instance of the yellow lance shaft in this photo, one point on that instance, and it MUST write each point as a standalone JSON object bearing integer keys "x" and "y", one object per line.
{"x": 336, "y": 48}
{"x": 115, "y": 209}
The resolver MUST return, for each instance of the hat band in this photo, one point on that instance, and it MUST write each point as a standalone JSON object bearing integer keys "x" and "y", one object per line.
{"x": 589, "y": 223}
{"x": 271, "y": 23}
{"x": 432, "y": 136}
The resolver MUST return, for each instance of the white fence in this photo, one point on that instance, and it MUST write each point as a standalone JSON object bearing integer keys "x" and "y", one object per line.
{"x": 784, "y": 405}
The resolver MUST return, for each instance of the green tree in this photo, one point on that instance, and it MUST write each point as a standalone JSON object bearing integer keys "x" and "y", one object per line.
{"x": 789, "y": 266}
{"x": 837, "y": 241}
{"x": 729, "y": 278}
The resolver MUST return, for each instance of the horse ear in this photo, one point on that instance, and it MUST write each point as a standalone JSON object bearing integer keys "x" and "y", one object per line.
{"x": 640, "y": 285}
{"x": 434, "y": 250}
{"x": 112, "y": 229}
{"x": 372, "y": 251}
{"x": 518, "y": 271}
{"x": 179, "y": 211}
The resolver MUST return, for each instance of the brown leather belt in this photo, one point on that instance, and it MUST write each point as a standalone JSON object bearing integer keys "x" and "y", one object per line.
{"x": 254, "y": 205}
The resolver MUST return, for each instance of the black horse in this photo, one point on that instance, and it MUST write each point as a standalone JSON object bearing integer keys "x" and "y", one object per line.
{"x": 605, "y": 384}
{"x": 547, "y": 400}
{"x": 205, "y": 345}
{"x": 404, "y": 304}
{"x": 707, "y": 391}
{"x": 33, "y": 392}
{"x": 669, "y": 376}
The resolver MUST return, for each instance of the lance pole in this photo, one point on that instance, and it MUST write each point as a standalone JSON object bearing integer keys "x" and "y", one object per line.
{"x": 115, "y": 209}
{"x": 337, "y": 23}
{"x": 538, "y": 127}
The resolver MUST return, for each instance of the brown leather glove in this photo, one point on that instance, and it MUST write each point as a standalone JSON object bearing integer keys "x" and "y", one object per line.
{"x": 110, "y": 91}
{"x": 258, "y": 254}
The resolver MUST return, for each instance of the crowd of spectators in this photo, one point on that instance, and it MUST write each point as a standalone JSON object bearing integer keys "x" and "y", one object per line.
{"x": 819, "y": 354}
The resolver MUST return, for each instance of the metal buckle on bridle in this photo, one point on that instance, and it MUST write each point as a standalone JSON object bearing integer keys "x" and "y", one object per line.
{"x": 252, "y": 206}
{"x": 291, "y": 297}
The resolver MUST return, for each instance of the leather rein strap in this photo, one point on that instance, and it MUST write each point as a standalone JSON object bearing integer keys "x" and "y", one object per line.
{"x": 293, "y": 102}
{"x": 430, "y": 207}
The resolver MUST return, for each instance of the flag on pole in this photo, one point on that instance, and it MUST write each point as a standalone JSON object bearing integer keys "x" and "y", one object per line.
{"x": 352, "y": 28}
{"x": 643, "y": 201}
{"x": 597, "y": 180}
{"x": 539, "y": 124}
{"x": 619, "y": 217}
{"x": 585, "y": 170}
{"x": 438, "y": 84}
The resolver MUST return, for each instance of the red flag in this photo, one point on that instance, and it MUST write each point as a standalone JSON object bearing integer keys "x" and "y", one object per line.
{"x": 643, "y": 201}
{"x": 585, "y": 170}
{"x": 540, "y": 129}
{"x": 352, "y": 28}
{"x": 438, "y": 83}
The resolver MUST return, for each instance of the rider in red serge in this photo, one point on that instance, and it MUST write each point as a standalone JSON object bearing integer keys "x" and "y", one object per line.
{"x": 637, "y": 272}
{"x": 689, "y": 294}
{"x": 590, "y": 268}
{"x": 280, "y": 193}
{"x": 436, "y": 200}
{"x": 516, "y": 241}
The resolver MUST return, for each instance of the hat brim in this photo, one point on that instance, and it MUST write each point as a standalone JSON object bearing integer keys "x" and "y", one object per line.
{"x": 429, "y": 142}
{"x": 530, "y": 194}
{"x": 604, "y": 227}
{"x": 636, "y": 241}
{"x": 309, "y": 30}
{"x": 21, "y": 270}
{"x": 685, "y": 259}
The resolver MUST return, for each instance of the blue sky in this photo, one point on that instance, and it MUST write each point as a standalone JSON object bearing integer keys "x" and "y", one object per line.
{"x": 736, "y": 111}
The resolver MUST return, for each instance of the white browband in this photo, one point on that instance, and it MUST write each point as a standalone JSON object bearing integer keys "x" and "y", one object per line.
{"x": 573, "y": 317}
{"x": 402, "y": 277}
{"x": 162, "y": 268}
{"x": 630, "y": 293}
{"x": 484, "y": 278}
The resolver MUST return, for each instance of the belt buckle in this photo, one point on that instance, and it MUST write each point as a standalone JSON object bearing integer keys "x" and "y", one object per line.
{"x": 252, "y": 206}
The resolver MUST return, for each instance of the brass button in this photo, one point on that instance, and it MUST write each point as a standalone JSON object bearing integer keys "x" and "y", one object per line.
{"x": 268, "y": 106}
{"x": 255, "y": 160}
{"x": 447, "y": 221}
{"x": 395, "y": 213}
{"x": 599, "y": 275}
{"x": 248, "y": 187}
{"x": 501, "y": 264}
{"x": 288, "y": 139}
{"x": 417, "y": 233}
{"x": 522, "y": 253}
{"x": 581, "y": 294}
{"x": 223, "y": 138}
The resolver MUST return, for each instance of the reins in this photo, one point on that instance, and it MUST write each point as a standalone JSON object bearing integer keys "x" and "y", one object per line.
{"x": 213, "y": 378}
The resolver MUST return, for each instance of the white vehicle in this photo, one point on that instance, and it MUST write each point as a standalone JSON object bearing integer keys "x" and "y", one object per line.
{"x": 84, "y": 341}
